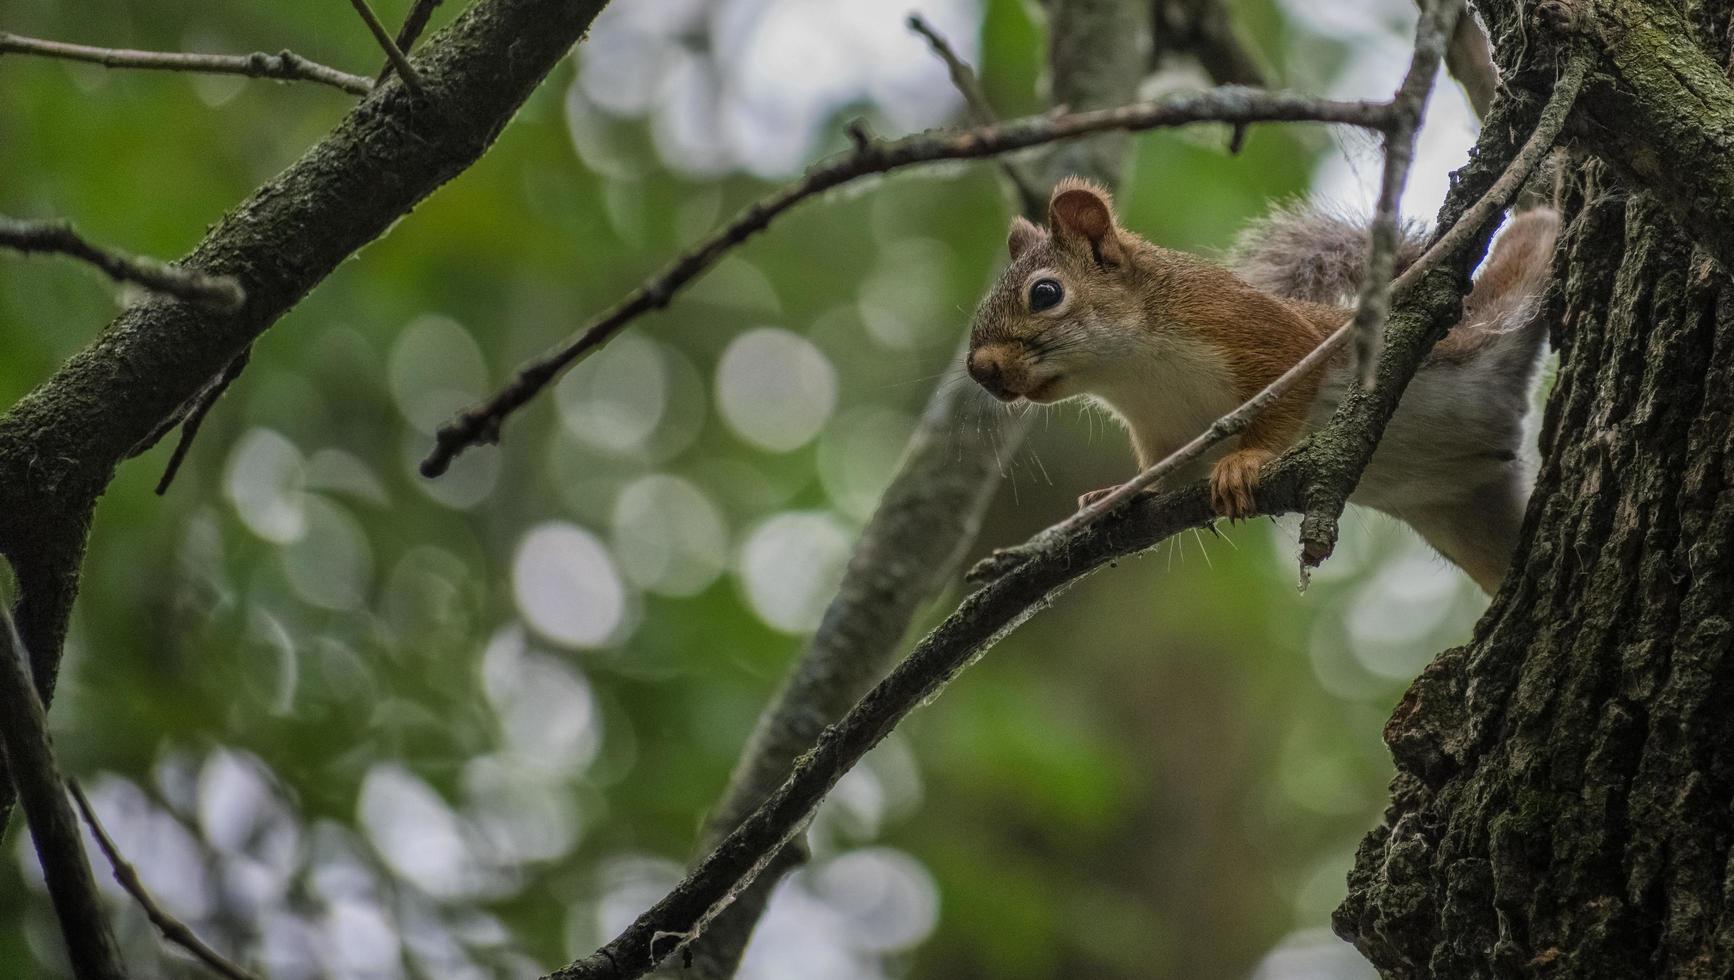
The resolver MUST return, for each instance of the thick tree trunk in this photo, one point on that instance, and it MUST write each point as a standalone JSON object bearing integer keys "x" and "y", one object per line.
{"x": 1562, "y": 800}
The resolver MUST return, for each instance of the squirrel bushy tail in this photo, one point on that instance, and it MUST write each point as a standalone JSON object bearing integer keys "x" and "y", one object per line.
{"x": 1318, "y": 254}
{"x": 1314, "y": 253}
{"x": 1458, "y": 460}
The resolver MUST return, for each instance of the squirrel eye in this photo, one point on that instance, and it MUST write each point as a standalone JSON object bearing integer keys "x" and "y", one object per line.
{"x": 1045, "y": 294}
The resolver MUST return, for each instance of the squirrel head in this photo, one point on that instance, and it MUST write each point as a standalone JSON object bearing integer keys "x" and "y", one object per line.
{"x": 1063, "y": 304}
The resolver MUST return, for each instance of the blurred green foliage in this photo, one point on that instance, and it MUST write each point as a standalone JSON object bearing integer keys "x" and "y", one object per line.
{"x": 352, "y": 724}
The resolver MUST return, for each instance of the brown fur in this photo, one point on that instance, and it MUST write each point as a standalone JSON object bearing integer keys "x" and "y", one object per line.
{"x": 1113, "y": 277}
{"x": 1515, "y": 270}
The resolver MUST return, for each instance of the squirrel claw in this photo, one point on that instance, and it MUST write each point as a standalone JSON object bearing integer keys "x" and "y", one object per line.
{"x": 1233, "y": 480}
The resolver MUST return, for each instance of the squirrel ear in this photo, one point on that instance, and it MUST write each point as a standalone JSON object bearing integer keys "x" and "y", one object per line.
{"x": 1080, "y": 211}
{"x": 1024, "y": 233}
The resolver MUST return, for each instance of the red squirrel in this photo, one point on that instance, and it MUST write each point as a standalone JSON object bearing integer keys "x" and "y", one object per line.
{"x": 1169, "y": 342}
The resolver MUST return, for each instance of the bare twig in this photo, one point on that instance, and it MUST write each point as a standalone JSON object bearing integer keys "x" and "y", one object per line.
{"x": 1431, "y": 36}
{"x": 284, "y": 66}
{"x": 171, "y": 928}
{"x": 219, "y": 292}
{"x": 413, "y": 25}
{"x": 195, "y": 417}
{"x": 393, "y": 53}
{"x": 481, "y": 423}
{"x": 53, "y": 828}
{"x": 975, "y": 99}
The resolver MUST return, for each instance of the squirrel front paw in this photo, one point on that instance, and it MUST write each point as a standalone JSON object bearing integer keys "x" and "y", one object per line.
{"x": 1233, "y": 480}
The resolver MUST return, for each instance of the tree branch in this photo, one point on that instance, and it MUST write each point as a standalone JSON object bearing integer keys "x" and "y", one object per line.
{"x": 481, "y": 423}
{"x": 413, "y": 25}
{"x": 975, "y": 99}
{"x": 60, "y": 444}
{"x": 1054, "y": 559}
{"x": 218, "y": 292}
{"x": 1432, "y": 35}
{"x": 172, "y": 929}
{"x": 53, "y": 828}
{"x": 284, "y": 66}
{"x": 392, "y": 54}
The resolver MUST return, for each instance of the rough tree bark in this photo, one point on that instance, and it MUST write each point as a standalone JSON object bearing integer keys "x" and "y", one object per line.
{"x": 1562, "y": 800}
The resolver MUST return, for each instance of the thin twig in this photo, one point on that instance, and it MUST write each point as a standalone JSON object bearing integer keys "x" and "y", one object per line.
{"x": 195, "y": 417}
{"x": 413, "y": 25}
{"x": 172, "y": 929}
{"x": 481, "y": 423}
{"x": 1122, "y": 524}
{"x": 392, "y": 52}
{"x": 53, "y": 827}
{"x": 981, "y": 112}
{"x": 284, "y": 66}
{"x": 219, "y": 292}
{"x": 1431, "y": 36}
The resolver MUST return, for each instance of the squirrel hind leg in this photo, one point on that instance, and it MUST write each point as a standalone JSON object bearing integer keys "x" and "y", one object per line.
{"x": 1517, "y": 269}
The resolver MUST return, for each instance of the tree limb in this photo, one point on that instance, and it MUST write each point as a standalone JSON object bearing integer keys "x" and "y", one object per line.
{"x": 172, "y": 929}
{"x": 481, "y": 423}
{"x": 53, "y": 828}
{"x": 218, "y": 292}
{"x": 60, "y": 444}
{"x": 285, "y": 65}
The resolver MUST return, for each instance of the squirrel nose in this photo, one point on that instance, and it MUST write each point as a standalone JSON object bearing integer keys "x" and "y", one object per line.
{"x": 986, "y": 372}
